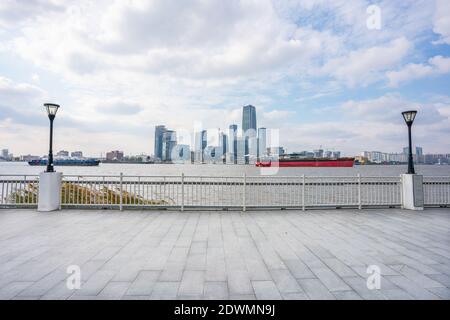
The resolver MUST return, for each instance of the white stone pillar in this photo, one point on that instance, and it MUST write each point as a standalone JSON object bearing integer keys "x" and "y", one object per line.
{"x": 49, "y": 191}
{"x": 412, "y": 191}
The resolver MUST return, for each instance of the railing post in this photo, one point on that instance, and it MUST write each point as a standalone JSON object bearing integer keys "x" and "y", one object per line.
{"x": 303, "y": 193}
{"x": 244, "y": 208}
{"x": 121, "y": 192}
{"x": 359, "y": 192}
{"x": 401, "y": 191}
{"x": 182, "y": 192}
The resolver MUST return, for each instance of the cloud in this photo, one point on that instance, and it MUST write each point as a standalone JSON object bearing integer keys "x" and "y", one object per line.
{"x": 365, "y": 66}
{"x": 436, "y": 65}
{"x": 441, "y": 21}
{"x": 14, "y": 12}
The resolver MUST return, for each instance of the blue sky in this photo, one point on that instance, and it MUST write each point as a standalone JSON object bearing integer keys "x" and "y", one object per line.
{"x": 317, "y": 71}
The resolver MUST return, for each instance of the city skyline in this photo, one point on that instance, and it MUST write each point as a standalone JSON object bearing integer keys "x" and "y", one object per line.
{"x": 318, "y": 72}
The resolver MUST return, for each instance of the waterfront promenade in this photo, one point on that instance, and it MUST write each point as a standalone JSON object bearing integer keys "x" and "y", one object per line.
{"x": 317, "y": 254}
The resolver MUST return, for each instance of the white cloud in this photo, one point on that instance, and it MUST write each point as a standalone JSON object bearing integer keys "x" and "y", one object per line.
{"x": 365, "y": 66}
{"x": 436, "y": 65}
{"x": 441, "y": 21}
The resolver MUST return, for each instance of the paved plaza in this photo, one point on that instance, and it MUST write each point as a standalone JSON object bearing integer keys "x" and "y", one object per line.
{"x": 317, "y": 254}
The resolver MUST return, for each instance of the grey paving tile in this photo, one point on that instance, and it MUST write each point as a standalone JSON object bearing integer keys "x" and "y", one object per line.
{"x": 266, "y": 290}
{"x": 315, "y": 289}
{"x": 216, "y": 290}
{"x": 165, "y": 291}
{"x": 192, "y": 283}
{"x": 143, "y": 284}
{"x": 114, "y": 290}
{"x": 239, "y": 283}
{"x": 346, "y": 295}
{"x": 330, "y": 279}
{"x": 147, "y": 253}
{"x": 285, "y": 282}
{"x": 412, "y": 288}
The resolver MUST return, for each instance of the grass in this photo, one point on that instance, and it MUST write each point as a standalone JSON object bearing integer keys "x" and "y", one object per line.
{"x": 73, "y": 193}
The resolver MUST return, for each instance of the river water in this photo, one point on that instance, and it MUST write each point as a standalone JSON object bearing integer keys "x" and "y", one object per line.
{"x": 22, "y": 168}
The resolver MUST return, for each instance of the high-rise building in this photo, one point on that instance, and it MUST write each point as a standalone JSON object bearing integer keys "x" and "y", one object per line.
{"x": 232, "y": 144}
{"x": 249, "y": 119}
{"x": 200, "y": 143}
{"x": 223, "y": 145}
{"x": 262, "y": 142}
{"x": 169, "y": 142}
{"x": 249, "y": 132}
{"x": 158, "y": 149}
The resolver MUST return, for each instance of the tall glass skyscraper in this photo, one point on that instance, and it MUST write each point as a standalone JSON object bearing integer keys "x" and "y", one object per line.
{"x": 248, "y": 119}
{"x": 169, "y": 142}
{"x": 158, "y": 149}
{"x": 262, "y": 142}
{"x": 232, "y": 143}
{"x": 249, "y": 132}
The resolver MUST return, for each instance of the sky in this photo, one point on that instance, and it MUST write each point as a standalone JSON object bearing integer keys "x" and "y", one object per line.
{"x": 331, "y": 74}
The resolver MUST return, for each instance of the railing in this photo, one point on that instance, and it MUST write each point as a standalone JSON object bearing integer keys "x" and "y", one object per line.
{"x": 19, "y": 190}
{"x": 436, "y": 191}
{"x": 232, "y": 192}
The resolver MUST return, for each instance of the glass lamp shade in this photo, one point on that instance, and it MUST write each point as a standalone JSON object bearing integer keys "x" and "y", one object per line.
{"x": 51, "y": 108}
{"x": 409, "y": 116}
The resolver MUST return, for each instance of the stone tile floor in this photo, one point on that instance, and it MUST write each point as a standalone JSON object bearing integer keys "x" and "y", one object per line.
{"x": 321, "y": 254}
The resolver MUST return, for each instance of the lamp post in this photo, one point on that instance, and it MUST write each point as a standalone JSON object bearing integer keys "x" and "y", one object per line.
{"x": 409, "y": 117}
{"x": 51, "y": 112}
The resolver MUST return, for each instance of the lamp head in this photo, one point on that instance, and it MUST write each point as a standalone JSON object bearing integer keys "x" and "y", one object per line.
{"x": 52, "y": 109}
{"x": 409, "y": 116}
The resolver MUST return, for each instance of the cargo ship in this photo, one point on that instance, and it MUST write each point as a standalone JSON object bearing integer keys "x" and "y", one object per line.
{"x": 66, "y": 162}
{"x": 287, "y": 161}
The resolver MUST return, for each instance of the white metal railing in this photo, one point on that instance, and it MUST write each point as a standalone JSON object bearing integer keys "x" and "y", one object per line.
{"x": 239, "y": 192}
{"x": 436, "y": 191}
{"x": 19, "y": 190}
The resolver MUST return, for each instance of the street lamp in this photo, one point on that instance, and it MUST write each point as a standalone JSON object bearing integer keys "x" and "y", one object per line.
{"x": 409, "y": 119}
{"x": 51, "y": 111}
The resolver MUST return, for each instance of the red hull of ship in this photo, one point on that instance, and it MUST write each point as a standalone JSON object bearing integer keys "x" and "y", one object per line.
{"x": 347, "y": 163}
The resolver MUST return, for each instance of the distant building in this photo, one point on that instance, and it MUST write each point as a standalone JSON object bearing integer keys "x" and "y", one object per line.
{"x": 318, "y": 153}
{"x": 76, "y": 154}
{"x": 276, "y": 151}
{"x": 158, "y": 148}
{"x": 336, "y": 154}
{"x": 232, "y": 144}
{"x": 5, "y": 155}
{"x": 181, "y": 153}
{"x": 62, "y": 153}
{"x": 240, "y": 154}
{"x": 200, "y": 143}
{"x": 262, "y": 142}
{"x": 169, "y": 143}
{"x": 249, "y": 132}
{"x": 248, "y": 119}
{"x": 114, "y": 155}
{"x": 29, "y": 157}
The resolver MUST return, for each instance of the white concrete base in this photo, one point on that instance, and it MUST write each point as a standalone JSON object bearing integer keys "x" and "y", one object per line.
{"x": 412, "y": 191}
{"x": 49, "y": 191}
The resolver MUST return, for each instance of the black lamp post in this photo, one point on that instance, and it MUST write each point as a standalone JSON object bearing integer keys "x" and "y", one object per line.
{"x": 409, "y": 119}
{"x": 51, "y": 111}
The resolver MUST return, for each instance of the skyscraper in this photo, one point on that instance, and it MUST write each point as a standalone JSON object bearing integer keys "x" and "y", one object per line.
{"x": 169, "y": 139}
{"x": 200, "y": 143}
{"x": 249, "y": 132}
{"x": 158, "y": 150}
{"x": 249, "y": 119}
{"x": 232, "y": 143}
{"x": 262, "y": 142}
